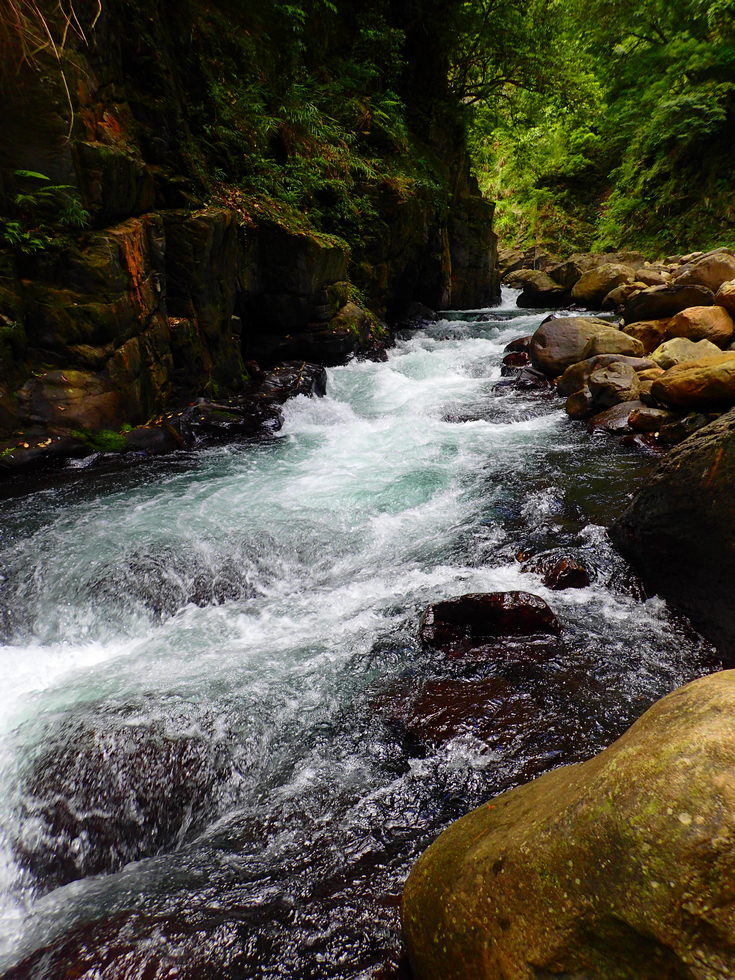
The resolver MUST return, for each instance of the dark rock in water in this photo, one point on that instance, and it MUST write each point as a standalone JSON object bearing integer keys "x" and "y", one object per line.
{"x": 678, "y": 533}
{"x": 617, "y": 867}
{"x": 559, "y": 572}
{"x": 469, "y": 620}
{"x": 445, "y": 708}
{"x": 519, "y": 344}
{"x": 526, "y": 379}
{"x": 292, "y": 378}
{"x": 648, "y": 419}
{"x": 580, "y": 405}
{"x": 672, "y": 433}
{"x": 660, "y": 302}
{"x": 541, "y": 292}
{"x": 515, "y": 359}
{"x": 415, "y": 315}
{"x": 230, "y": 418}
{"x": 154, "y": 439}
{"x": 106, "y": 790}
{"x": 615, "y": 419}
{"x": 44, "y": 451}
{"x": 129, "y": 944}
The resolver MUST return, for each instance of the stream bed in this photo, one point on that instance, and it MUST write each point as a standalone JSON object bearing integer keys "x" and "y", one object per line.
{"x": 221, "y": 746}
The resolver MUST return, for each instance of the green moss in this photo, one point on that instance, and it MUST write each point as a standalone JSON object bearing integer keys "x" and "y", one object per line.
{"x": 105, "y": 441}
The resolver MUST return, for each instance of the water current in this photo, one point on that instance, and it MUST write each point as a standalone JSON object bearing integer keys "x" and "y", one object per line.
{"x": 221, "y": 744}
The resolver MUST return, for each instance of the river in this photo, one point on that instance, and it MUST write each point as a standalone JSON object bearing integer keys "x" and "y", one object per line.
{"x": 209, "y": 761}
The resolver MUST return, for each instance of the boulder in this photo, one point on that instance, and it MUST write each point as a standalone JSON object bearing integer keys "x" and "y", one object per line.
{"x": 613, "y": 384}
{"x": 562, "y": 341}
{"x": 539, "y": 290}
{"x": 678, "y": 531}
{"x": 650, "y": 374}
{"x": 559, "y": 572}
{"x": 593, "y": 286}
{"x": 681, "y": 349}
{"x": 618, "y": 867}
{"x": 649, "y": 419}
{"x": 708, "y": 381}
{"x": 660, "y": 302}
{"x": 651, "y": 333}
{"x": 711, "y": 323}
{"x": 617, "y": 297}
{"x": 471, "y": 620}
{"x": 710, "y": 270}
{"x": 579, "y": 405}
{"x": 577, "y": 376}
{"x": 726, "y": 296}
{"x": 651, "y": 277}
{"x": 615, "y": 420}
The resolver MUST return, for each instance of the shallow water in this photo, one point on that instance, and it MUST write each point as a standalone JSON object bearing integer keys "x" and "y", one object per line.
{"x": 231, "y": 638}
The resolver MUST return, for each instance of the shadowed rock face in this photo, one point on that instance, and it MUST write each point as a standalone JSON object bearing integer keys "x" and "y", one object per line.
{"x": 678, "y": 531}
{"x": 621, "y": 866}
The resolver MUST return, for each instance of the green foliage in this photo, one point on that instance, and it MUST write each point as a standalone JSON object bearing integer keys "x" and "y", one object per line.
{"x": 643, "y": 157}
{"x": 43, "y": 212}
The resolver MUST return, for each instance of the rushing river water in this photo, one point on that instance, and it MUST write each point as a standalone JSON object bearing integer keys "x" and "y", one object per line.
{"x": 222, "y": 747}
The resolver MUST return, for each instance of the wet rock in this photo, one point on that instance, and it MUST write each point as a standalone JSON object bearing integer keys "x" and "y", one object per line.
{"x": 677, "y": 530}
{"x": 660, "y": 302}
{"x": 230, "y": 418}
{"x": 580, "y": 405}
{"x": 107, "y": 789}
{"x": 711, "y": 323}
{"x": 562, "y": 341}
{"x": 559, "y": 572}
{"x": 526, "y": 379}
{"x": 614, "y": 420}
{"x": 648, "y": 419}
{"x": 33, "y": 454}
{"x": 577, "y": 376}
{"x": 154, "y": 439}
{"x": 415, "y": 315}
{"x": 614, "y": 867}
{"x": 677, "y": 431}
{"x": 539, "y": 291}
{"x": 515, "y": 359}
{"x": 445, "y": 708}
{"x": 593, "y": 286}
{"x": 293, "y": 378}
{"x": 519, "y": 344}
{"x": 681, "y": 349}
{"x": 470, "y": 620}
{"x": 708, "y": 381}
{"x": 613, "y": 384}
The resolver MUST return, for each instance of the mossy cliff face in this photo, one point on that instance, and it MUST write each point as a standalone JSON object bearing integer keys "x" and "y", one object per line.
{"x": 202, "y": 212}
{"x": 620, "y": 867}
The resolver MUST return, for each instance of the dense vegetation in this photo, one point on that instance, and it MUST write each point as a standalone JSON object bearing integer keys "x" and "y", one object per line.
{"x": 625, "y": 137}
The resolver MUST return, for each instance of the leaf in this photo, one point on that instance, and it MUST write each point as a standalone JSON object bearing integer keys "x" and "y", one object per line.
{"x": 31, "y": 173}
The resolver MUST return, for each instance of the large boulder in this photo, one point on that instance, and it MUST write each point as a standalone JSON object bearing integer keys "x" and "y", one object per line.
{"x": 651, "y": 333}
{"x": 618, "y": 867}
{"x": 711, "y": 270}
{"x": 562, "y": 341}
{"x": 593, "y": 286}
{"x": 711, "y": 323}
{"x": 577, "y": 376}
{"x": 679, "y": 532}
{"x": 539, "y": 290}
{"x": 726, "y": 296}
{"x": 708, "y": 381}
{"x": 613, "y": 384}
{"x": 681, "y": 349}
{"x": 660, "y": 302}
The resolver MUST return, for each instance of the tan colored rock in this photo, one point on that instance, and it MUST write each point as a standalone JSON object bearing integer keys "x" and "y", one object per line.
{"x": 712, "y": 323}
{"x": 594, "y": 285}
{"x": 651, "y": 277}
{"x": 618, "y": 867}
{"x": 726, "y": 296}
{"x": 710, "y": 270}
{"x": 617, "y": 297}
{"x": 650, "y": 374}
{"x": 648, "y": 419}
{"x": 561, "y": 341}
{"x": 577, "y": 376}
{"x": 681, "y": 349}
{"x": 651, "y": 333}
{"x": 709, "y": 381}
{"x": 613, "y": 384}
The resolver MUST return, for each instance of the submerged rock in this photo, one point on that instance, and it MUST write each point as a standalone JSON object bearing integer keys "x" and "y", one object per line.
{"x": 107, "y": 790}
{"x": 621, "y": 866}
{"x": 559, "y": 571}
{"x": 470, "y": 620}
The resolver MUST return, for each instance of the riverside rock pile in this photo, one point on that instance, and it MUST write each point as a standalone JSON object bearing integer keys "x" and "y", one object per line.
{"x": 661, "y": 370}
